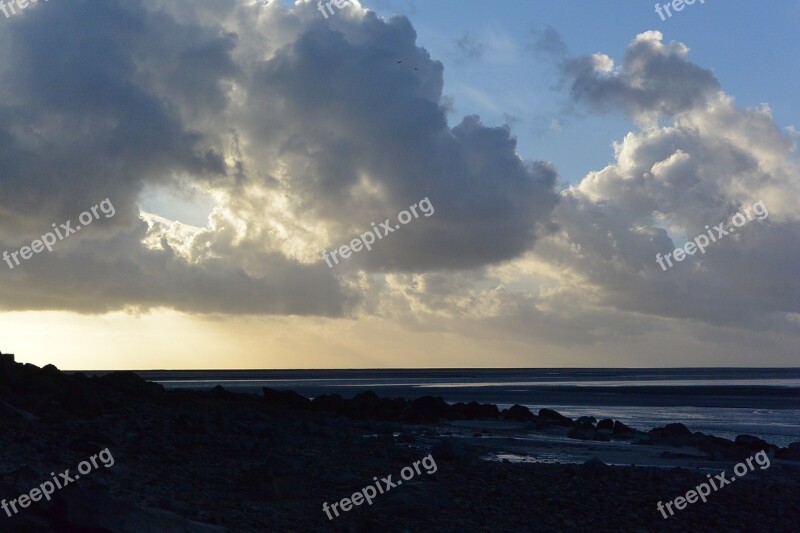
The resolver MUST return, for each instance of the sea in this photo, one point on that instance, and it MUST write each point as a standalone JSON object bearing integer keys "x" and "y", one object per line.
{"x": 764, "y": 402}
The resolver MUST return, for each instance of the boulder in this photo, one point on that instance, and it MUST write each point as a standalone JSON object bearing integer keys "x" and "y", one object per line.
{"x": 129, "y": 384}
{"x": 606, "y": 423}
{"x": 622, "y": 432}
{"x": 218, "y": 391}
{"x": 473, "y": 411}
{"x": 332, "y": 403}
{"x": 553, "y": 417}
{"x": 426, "y": 409}
{"x": 620, "y": 428}
{"x": 285, "y": 398}
{"x": 367, "y": 404}
{"x": 673, "y": 435}
{"x": 594, "y": 462}
{"x": 677, "y": 429}
{"x": 519, "y": 413}
{"x": 582, "y": 432}
{"x": 718, "y": 448}
{"x": 752, "y": 443}
{"x": 7, "y": 363}
{"x": 366, "y": 397}
{"x": 603, "y": 435}
{"x": 593, "y": 468}
{"x": 790, "y": 453}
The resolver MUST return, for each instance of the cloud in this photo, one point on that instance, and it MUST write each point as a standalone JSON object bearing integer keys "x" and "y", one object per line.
{"x": 548, "y": 42}
{"x": 470, "y": 47}
{"x": 304, "y": 130}
{"x": 668, "y": 183}
{"x": 595, "y": 279}
{"x": 655, "y": 79}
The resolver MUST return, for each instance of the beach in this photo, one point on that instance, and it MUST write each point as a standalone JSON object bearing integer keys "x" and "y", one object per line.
{"x": 218, "y": 460}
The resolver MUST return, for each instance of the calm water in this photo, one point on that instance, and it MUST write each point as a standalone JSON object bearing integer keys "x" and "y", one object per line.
{"x": 723, "y": 401}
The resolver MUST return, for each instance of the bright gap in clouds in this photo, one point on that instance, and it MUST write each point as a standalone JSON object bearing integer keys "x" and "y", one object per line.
{"x": 188, "y": 206}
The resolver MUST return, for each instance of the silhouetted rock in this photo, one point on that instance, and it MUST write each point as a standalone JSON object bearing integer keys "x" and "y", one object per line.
{"x": 81, "y": 396}
{"x": 6, "y": 361}
{"x": 285, "y": 398}
{"x": 626, "y": 433}
{"x": 594, "y": 468}
{"x": 426, "y": 409}
{"x": 129, "y": 384}
{"x": 519, "y": 413}
{"x": 672, "y": 435}
{"x": 367, "y": 404}
{"x": 790, "y": 453}
{"x": 332, "y": 403}
{"x": 582, "y": 432}
{"x": 366, "y": 397}
{"x": 620, "y": 428}
{"x": 677, "y": 429}
{"x": 553, "y": 417}
{"x": 603, "y": 435}
{"x": 218, "y": 391}
{"x": 594, "y": 461}
{"x": 718, "y": 448}
{"x": 752, "y": 443}
{"x": 606, "y": 423}
{"x": 678, "y": 435}
{"x": 473, "y": 411}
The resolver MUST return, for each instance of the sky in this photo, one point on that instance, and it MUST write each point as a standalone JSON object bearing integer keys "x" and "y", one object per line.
{"x": 512, "y": 179}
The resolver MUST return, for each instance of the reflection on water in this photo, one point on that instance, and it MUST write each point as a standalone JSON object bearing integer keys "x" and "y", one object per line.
{"x": 542, "y": 458}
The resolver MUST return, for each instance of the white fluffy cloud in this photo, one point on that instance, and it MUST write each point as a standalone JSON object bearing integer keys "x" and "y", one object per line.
{"x": 707, "y": 161}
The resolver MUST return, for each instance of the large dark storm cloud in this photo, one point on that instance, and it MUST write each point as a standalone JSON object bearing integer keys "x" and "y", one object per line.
{"x": 305, "y": 130}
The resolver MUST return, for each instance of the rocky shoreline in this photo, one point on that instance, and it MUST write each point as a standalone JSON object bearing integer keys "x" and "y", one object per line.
{"x": 221, "y": 461}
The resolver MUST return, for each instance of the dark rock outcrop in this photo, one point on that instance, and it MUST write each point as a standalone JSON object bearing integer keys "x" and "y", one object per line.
{"x": 519, "y": 413}
{"x": 752, "y": 443}
{"x": 285, "y": 398}
{"x": 606, "y": 423}
{"x": 473, "y": 411}
{"x": 554, "y": 417}
{"x": 790, "y": 453}
{"x": 582, "y": 433}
